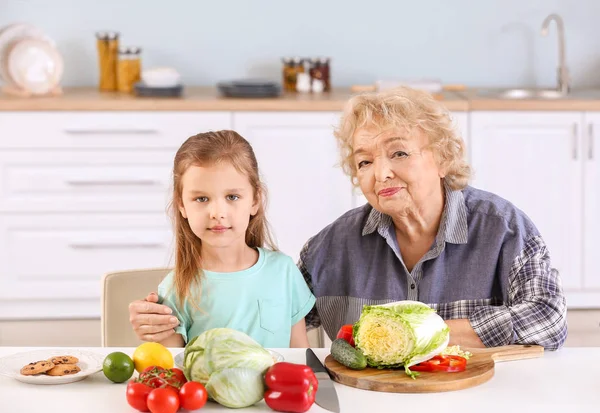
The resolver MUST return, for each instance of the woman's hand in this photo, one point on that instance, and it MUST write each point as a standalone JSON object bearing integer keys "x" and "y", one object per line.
{"x": 152, "y": 321}
{"x": 462, "y": 334}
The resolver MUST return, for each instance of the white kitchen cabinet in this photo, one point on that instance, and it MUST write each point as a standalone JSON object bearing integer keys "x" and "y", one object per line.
{"x": 591, "y": 201}
{"x": 298, "y": 159}
{"x": 51, "y": 265}
{"x": 82, "y": 194}
{"x": 539, "y": 162}
{"x": 105, "y": 130}
{"x": 85, "y": 180}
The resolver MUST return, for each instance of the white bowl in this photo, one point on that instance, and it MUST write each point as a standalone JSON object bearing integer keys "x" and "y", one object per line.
{"x": 161, "y": 77}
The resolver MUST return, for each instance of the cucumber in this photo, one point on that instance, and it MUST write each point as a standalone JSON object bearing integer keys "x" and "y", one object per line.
{"x": 345, "y": 354}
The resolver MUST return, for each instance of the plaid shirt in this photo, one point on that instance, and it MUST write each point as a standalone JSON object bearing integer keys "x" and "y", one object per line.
{"x": 488, "y": 264}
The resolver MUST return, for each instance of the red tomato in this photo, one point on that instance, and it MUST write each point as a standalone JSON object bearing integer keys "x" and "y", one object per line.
{"x": 154, "y": 382}
{"x": 137, "y": 395}
{"x": 157, "y": 377}
{"x": 345, "y": 333}
{"x": 163, "y": 401}
{"x": 178, "y": 376}
{"x": 192, "y": 395}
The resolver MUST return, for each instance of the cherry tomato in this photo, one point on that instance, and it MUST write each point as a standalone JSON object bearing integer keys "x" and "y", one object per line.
{"x": 163, "y": 400}
{"x": 192, "y": 395}
{"x": 178, "y": 376}
{"x": 137, "y": 395}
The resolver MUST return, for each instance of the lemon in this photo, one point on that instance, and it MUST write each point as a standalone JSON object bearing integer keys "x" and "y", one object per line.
{"x": 152, "y": 354}
{"x": 117, "y": 367}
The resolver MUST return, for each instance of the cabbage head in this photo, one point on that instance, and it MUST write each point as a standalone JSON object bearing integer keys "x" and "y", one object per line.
{"x": 400, "y": 334}
{"x": 223, "y": 348}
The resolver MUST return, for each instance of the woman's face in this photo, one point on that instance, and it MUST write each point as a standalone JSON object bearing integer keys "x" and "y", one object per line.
{"x": 395, "y": 170}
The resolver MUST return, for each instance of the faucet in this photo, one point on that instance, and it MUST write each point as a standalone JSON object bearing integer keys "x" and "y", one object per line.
{"x": 563, "y": 72}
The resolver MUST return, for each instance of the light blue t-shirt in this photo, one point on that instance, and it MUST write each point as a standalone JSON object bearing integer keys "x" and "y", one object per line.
{"x": 263, "y": 301}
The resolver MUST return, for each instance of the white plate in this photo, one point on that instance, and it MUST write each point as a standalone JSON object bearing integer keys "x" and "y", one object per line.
{"x": 34, "y": 66}
{"x": 276, "y": 357}
{"x": 89, "y": 363}
{"x": 13, "y": 33}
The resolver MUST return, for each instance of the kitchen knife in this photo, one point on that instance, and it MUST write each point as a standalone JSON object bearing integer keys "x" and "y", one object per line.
{"x": 326, "y": 395}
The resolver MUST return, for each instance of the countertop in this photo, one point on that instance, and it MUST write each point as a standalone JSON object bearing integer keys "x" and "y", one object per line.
{"x": 559, "y": 381}
{"x": 209, "y": 99}
{"x": 488, "y": 100}
{"x": 194, "y": 99}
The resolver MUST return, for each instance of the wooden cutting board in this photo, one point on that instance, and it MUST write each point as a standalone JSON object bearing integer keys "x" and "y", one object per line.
{"x": 480, "y": 368}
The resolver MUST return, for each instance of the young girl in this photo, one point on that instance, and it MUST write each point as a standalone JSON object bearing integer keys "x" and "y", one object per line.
{"x": 224, "y": 276}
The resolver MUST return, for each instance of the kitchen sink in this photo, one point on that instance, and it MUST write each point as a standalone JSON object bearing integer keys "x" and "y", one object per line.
{"x": 535, "y": 94}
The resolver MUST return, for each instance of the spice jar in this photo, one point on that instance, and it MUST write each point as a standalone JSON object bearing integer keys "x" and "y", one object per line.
{"x": 135, "y": 54}
{"x": 107, "y": 44}
{"x": 316, "y": 72}
{"x": 289, "y": 73}
{"x": 124, "y": 71}
{"x": 325, "y": 73}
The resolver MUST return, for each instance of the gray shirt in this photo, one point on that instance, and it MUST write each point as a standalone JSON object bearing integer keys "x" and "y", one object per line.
{"x": 488, "y": 264}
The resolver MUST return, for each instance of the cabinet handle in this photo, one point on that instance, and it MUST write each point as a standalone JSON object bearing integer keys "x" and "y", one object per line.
{"x": 144, "y": 182}
{"x": 115, "y": 246}
{"x": 575, "y": 141}
{"x": 591, "y": 141}
{"x": 83, "y": 131}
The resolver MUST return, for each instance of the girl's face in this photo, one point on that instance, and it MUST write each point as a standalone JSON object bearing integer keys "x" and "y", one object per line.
{"x": 218, "y": 202}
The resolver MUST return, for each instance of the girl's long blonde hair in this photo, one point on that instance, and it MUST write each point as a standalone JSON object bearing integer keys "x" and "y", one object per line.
{"x": 207, "y": 149}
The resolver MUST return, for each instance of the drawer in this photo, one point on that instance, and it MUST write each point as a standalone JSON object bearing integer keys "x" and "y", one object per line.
{"x": 105, "y": 129}
{"x": 64, "y": 181}
{"x": 58, "y": 257}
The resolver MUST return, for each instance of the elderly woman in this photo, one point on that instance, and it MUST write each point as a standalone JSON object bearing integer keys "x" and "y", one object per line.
{"x": 426, "y": 235}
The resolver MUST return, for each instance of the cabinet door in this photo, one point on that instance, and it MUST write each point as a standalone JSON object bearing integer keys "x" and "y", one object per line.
{"x": 298, "y": 158}
{"x": 51, "y": 265}
{"x": 85, "y": 180}
{"x": 105, "y": 130}
{"x": 533, "y": 159}
{"x": 591, "y": 199}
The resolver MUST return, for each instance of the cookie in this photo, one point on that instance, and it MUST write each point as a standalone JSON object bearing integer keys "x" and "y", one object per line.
{"x": 63, "y": 370}
{"x": 64, "y": 360}
{"x": 37, "y": 367}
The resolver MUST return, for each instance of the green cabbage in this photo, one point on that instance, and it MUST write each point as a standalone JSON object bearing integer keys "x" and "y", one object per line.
{"x": 222, "y": 353}
{"x": 400, "y": 334}
{"x": 236, "y": 387}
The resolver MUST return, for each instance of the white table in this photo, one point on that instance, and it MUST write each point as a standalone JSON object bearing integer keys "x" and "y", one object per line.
{"x": 564, "y": 381}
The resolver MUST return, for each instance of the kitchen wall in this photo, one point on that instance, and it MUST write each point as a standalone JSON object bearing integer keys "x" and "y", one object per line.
{"x": 476, "y": 42}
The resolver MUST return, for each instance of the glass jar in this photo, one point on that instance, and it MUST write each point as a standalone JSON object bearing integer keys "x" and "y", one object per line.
{"x": 107, "y": 44}
{"x": 124, "y": 70}
{"x": 136, "y": 64}
{"x": 325, "y": 72}
{"x": 315, "y": 70}
{"x": 289, "y": 74}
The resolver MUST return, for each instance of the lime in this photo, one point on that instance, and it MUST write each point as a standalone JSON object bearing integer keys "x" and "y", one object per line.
{"x": 118, "y": 367}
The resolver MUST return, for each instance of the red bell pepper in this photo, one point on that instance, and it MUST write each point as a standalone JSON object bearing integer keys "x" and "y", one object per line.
{"x": 449, "y": 363}
{"x": 290, "y": 387}
{"x": 346, "y": 333}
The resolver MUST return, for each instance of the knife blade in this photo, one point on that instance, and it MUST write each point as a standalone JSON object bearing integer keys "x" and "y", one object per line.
{"x": 326, "y": 395}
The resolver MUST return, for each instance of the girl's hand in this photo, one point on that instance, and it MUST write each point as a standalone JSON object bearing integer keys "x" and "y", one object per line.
{"x": 151, "y": 321}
